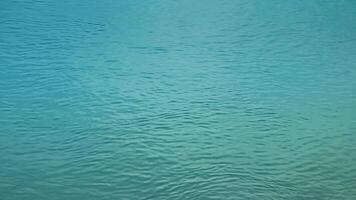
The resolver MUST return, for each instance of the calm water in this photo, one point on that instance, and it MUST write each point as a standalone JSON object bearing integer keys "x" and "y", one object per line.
{"x": 182, "y": 99}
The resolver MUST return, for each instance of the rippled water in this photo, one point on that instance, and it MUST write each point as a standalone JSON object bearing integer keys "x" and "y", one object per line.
{"x": 183, "y": 99}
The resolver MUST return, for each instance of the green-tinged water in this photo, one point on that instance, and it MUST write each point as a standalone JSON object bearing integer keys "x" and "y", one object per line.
{"x": 163, "y": 99}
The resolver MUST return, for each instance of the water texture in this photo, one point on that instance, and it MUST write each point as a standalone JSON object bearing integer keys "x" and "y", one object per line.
{"x": 163, "y": 99}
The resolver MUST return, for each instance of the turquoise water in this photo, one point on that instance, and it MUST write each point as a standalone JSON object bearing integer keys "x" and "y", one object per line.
{"x": 182, "y": 99}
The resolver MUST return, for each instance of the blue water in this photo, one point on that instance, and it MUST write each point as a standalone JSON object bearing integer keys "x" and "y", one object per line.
{"x": 163, "y": 99}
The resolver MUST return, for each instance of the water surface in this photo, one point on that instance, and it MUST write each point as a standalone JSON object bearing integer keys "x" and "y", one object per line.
{"x": 183, "y": 99}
